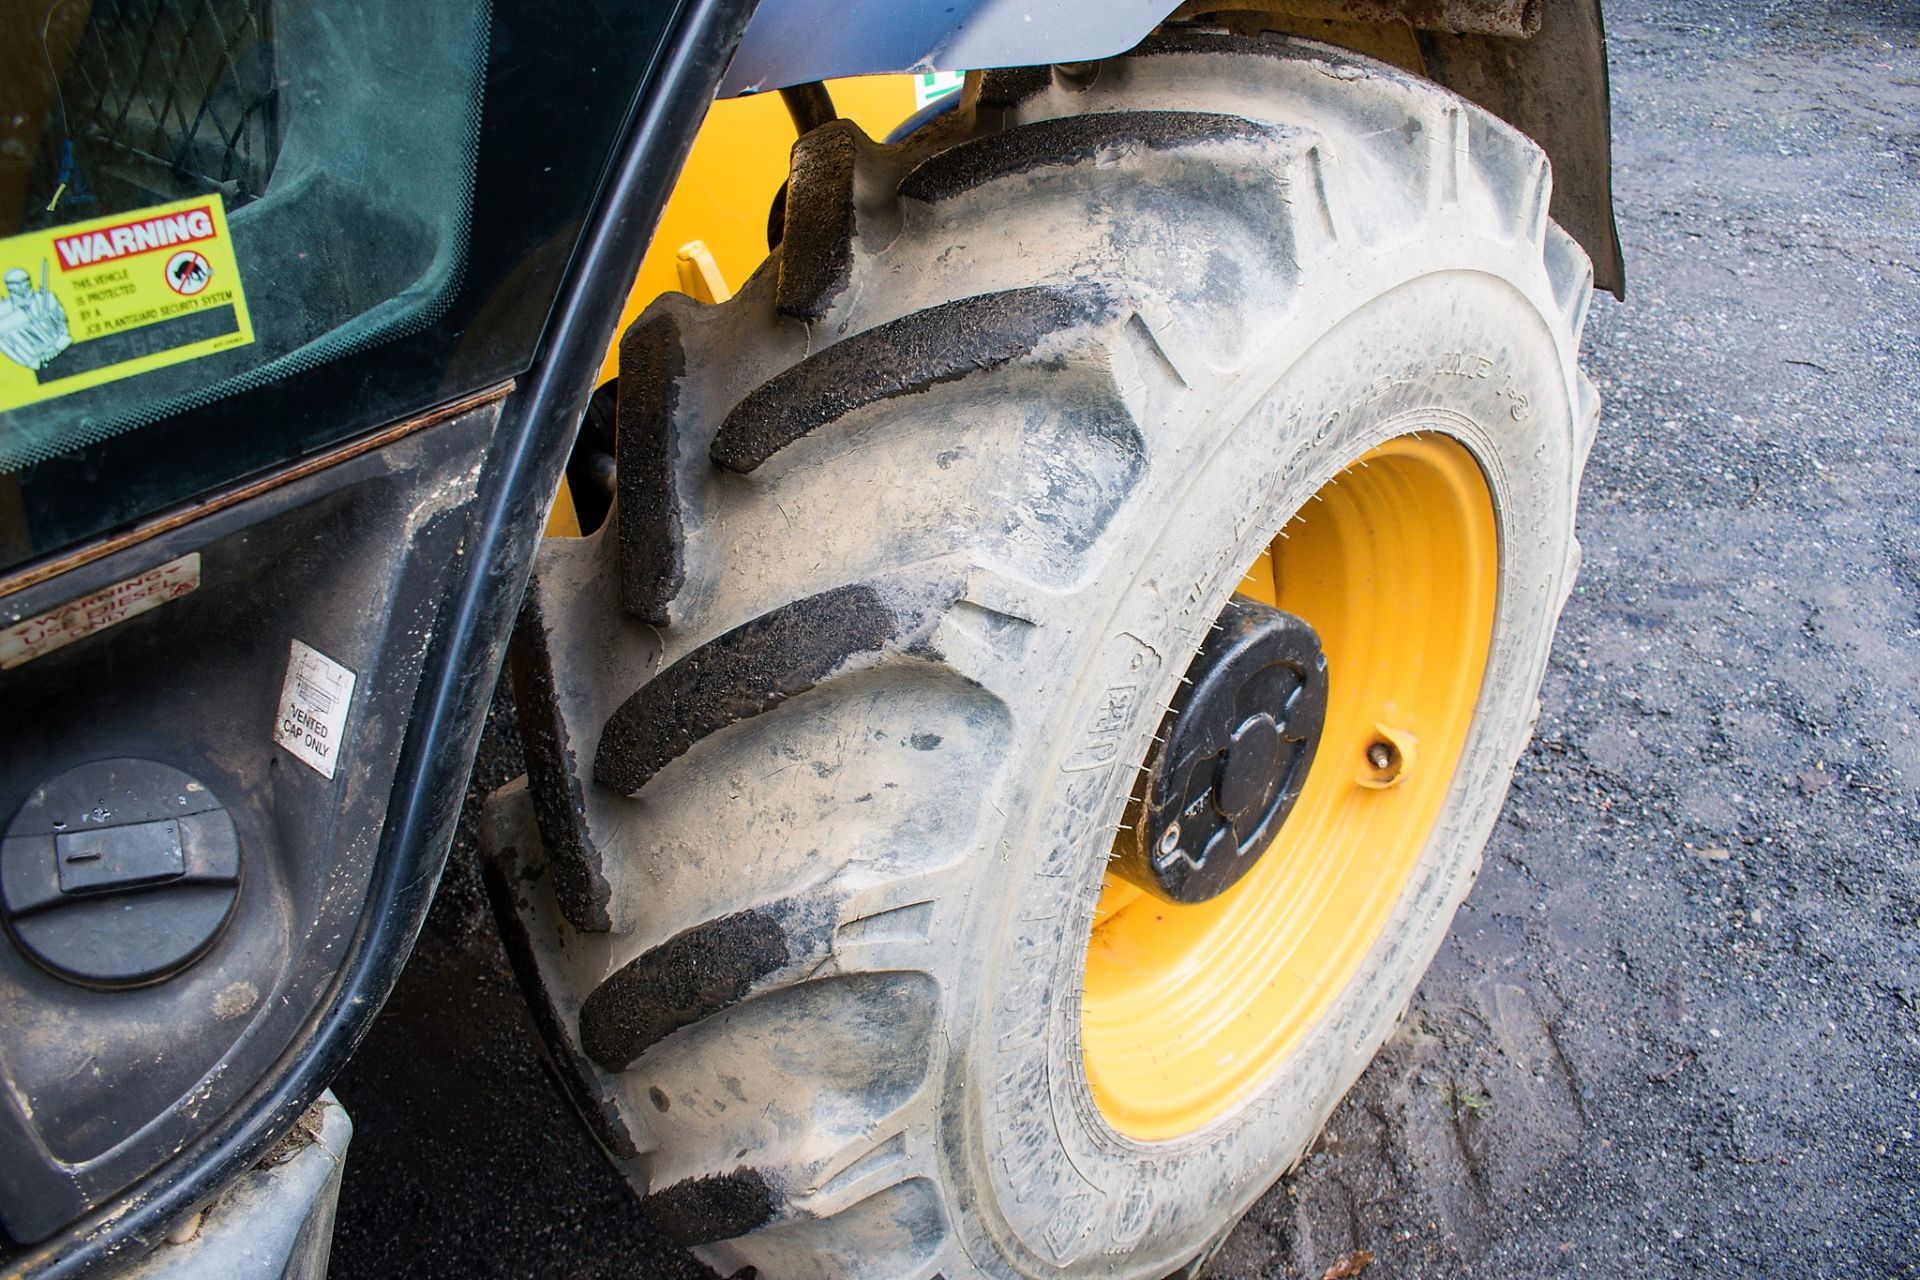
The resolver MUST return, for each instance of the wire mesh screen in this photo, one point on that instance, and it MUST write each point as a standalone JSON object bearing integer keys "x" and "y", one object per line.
{"x": 158, "y": 100}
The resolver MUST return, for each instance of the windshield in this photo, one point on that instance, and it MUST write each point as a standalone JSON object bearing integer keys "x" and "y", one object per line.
{"x": 235, "y": 231}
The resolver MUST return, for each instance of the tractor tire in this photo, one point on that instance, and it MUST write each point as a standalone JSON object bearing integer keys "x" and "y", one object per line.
{"x": 831, "y": 731}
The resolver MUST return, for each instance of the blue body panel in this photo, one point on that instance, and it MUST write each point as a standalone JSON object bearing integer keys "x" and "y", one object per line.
{"x": 794, "y": 41}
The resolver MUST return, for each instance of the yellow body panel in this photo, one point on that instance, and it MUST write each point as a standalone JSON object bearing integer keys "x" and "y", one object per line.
{"x": 736, "y": 167}
{"x": 713, "y": 232}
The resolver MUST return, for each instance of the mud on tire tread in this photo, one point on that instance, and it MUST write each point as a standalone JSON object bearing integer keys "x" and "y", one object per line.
{"x": 645, "y": 479}
{"x": 903, "y": 357}
{"x": 818, "y": 220}
{"x": 752, "y": 940}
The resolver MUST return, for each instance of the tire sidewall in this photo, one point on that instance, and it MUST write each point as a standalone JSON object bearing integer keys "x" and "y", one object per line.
{"x": 1453, "y": 338}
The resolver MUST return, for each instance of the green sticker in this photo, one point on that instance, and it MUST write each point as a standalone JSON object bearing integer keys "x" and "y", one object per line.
{"x": 94, "y": 302}
{"x": 935, "y": 85}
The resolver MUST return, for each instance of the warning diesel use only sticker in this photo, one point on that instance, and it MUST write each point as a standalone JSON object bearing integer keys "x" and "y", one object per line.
{"x": 94, "y": 302}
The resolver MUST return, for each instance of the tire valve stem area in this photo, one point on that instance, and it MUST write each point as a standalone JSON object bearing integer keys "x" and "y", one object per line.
{"x": 1231, "y": 756}
{"x": 1389, "y": 759}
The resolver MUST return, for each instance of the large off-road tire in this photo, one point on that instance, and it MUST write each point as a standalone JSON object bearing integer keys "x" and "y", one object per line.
{"x": 830, "y": 731}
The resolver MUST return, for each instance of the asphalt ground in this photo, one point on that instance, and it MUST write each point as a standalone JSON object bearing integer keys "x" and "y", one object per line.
{"x": 1676, "y": 1029}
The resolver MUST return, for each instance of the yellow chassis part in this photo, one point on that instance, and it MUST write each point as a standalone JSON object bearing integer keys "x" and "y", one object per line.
{"x": 713, "y": 232}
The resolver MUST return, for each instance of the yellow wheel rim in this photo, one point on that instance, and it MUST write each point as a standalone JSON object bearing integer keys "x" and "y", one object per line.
{"x": 1186, "y": 1009}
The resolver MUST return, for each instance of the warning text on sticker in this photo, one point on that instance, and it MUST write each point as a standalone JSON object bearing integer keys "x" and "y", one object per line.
{"x": 129, "y": 238}
{"x": 26, "y": 640}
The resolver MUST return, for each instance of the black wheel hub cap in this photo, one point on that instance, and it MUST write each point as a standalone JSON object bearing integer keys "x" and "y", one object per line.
{"x": 1233, "y": 755}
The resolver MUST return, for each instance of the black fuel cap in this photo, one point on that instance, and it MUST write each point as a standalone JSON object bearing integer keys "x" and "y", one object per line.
{"x": 119, "y": 872}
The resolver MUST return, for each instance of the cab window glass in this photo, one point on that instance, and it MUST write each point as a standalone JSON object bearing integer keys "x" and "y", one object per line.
{"x": 152, "y": 127}
{"x": 235, "y": 231}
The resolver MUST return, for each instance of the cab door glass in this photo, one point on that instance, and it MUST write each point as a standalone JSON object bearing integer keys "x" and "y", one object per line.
{"x": 233, "y": 231}
{"x": 248, "y": 187}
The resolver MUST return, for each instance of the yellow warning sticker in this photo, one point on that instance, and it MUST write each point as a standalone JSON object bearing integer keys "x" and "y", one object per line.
{"x": 94, "y": 302}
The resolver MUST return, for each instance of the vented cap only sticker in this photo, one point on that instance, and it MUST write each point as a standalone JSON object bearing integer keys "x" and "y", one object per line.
{"x": 94, "y": 302}
{"x": 314, "y": 701}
